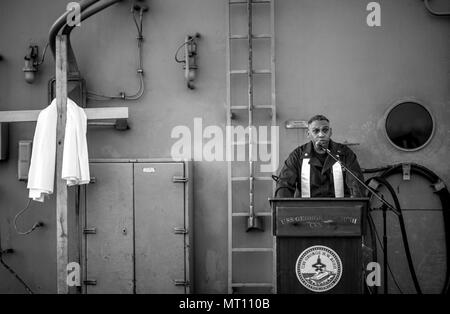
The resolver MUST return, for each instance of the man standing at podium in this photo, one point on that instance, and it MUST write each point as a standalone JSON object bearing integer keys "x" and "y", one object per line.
{"x": 310, "y": 172}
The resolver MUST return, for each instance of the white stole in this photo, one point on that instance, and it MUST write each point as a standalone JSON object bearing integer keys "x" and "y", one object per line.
{"x": 338, "y": 179}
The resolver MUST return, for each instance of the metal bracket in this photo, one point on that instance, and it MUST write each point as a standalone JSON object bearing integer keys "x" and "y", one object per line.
{"x": 406, "y": 172}
{"x": 90, "y": 231}
{"x": 92, "y": 180}
{"x": 90, "y": 282}
{"x": 118, "y": 124}
{"x": 438, "y": 186}
{"x": 179, "y": 179}
{"x": 178, "y": 282}
{"x": 374, "y": 184}
{"x": 180, "y": 230}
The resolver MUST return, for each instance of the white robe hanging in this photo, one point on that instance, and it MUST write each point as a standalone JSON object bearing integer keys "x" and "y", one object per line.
{"x": 75, "y": 164}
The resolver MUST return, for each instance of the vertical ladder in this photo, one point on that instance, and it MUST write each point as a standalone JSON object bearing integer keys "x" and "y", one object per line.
{"x": 233, "y": 111}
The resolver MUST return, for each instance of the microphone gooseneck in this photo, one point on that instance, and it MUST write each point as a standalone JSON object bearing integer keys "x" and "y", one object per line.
{"x": 359, "y": 180}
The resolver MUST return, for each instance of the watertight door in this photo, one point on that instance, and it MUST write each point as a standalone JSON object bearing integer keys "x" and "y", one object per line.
{"x": 108, "y": 230}
{"x": 160, "y": 229}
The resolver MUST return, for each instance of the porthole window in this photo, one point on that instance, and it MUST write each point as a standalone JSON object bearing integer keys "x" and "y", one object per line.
{"x": 409, "y": 125}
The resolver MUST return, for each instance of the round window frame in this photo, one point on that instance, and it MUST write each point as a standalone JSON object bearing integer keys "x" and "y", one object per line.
{"x": 406, "y": 100}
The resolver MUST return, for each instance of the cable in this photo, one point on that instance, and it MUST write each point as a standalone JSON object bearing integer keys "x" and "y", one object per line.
{"x": 11, "y": 270}
{"x": 372, "y": 232}
{"x": 36, "y": 225}
{"x": 396, "y": 210}
{"x": 135, "y": 22}
{"x": 178, "y": 50}
{"x": 381, "y": 245}
{"x": 444, "y": 196}
{"x": 403, "y": 232}
{"x": 43, "y": 55}
{"x": 15, "y": 275}
{"x": 122, "y": 95}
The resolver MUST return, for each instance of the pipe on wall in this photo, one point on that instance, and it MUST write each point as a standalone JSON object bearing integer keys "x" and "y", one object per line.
{"x": 430, "y": 9}
{"x": 90, "y": 10}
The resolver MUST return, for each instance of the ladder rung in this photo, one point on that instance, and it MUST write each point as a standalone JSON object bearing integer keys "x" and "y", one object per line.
{"x": 262, "y": 36}
{"x": 268, "y": 214}
{"x": 255, "y": 36}
{"x": 238, "y": 72}
{"x": 239, "y": 107}
{"x": 245, "y": 2}
{"x": 264, "y": 71}
{"x": 253, "y": 249}
{"x": 251, "y": 284}
{"x": 238, "y": 36}
{"x": 246, "y": 143}
{"x": 254, "y": 107}
{"x": 247, "y": 178}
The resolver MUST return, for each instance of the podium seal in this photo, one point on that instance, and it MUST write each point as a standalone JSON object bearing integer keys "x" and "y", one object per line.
{"x": 318, "y": 268}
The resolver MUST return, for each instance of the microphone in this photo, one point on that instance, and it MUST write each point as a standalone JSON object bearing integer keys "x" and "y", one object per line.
{"x": 321, "y": 146}
{"x": 359, "y": 180}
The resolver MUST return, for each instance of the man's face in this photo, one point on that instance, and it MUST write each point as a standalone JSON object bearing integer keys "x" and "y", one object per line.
{"x": 319, "y": 132}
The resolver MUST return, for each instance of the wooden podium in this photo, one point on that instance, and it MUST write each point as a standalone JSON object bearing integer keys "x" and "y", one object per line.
{"x": 319, "y": 244}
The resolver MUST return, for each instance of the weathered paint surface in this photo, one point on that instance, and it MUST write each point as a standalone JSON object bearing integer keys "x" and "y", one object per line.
{"x": 328, "y": 61}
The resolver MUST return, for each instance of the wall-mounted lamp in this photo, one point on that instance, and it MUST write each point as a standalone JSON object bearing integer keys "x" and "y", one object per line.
{"x": 190, "y": 59}
{"x": 31, "y": 62}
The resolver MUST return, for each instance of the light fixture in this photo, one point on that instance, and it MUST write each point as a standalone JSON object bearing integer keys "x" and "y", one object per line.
{"x": 32, "y": 63}
{"x": 190, "y": 59}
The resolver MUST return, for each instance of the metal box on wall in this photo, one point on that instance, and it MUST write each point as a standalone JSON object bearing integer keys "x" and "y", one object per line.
{"x": 76, "y": 90}
{"x": 137, "y": 234}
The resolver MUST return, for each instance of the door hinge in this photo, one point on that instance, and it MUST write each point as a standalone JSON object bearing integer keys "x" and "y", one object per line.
{"x": 180, "y": 179}
{"x": 181, "y": 283}
{"x": 91, "y": 282}
{"x": 180, "y": 230}
{"x": 89, "y": 230}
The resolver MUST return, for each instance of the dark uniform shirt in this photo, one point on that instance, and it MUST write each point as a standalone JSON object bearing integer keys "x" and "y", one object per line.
{"x": 321, "y": 177}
